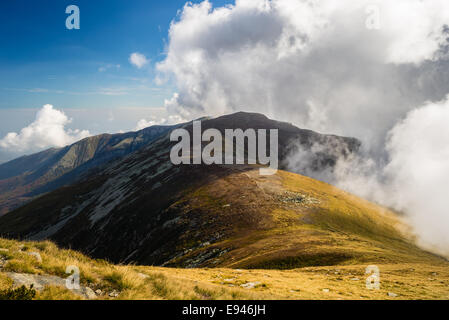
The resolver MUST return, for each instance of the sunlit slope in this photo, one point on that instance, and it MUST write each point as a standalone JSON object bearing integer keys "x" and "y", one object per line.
{"x": 289, "y": 221}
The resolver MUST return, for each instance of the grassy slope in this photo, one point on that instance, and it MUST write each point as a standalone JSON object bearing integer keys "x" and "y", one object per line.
{"x": 290, "y": 221}
{"x": 407, "y": 280}
{"x": 294, "y": 235}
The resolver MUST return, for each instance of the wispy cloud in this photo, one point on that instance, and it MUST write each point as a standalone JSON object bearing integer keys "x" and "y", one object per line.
{"x": 107, "y": 91}
{"x": 113, "y": 91}
{"x": 108, "y": 66}
{"x": 36, "y": 90}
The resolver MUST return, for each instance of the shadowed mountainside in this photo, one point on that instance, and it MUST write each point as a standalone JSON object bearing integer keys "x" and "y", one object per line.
{"x": 29, "y": 176}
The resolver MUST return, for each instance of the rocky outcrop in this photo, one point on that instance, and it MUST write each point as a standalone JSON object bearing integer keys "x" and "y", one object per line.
{"x": 39, "y": 282}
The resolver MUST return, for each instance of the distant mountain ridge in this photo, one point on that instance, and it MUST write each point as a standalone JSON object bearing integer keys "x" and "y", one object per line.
{"x": 29, "y": 176}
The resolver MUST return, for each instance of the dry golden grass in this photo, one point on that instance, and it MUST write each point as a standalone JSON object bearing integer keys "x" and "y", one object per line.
{"x": 406, "y": 280}
{"x": 132, "y": 282}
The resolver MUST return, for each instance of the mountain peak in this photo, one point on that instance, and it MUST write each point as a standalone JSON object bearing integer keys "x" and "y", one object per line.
{"x": 25, "y": 178}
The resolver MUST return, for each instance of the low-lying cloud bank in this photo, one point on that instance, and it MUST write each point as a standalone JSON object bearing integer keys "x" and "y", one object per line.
{"x": 375, "y": 70}
{"x": 46, "y": 131}
{"x": 418, "y": 171}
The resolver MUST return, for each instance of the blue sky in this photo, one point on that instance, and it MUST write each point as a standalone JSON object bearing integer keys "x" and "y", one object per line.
{"x": 85, "y": 73}
{"x": 43, "y": 62}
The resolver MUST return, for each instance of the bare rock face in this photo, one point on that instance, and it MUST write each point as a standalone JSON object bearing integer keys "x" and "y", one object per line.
{"x": 39, "y": 282}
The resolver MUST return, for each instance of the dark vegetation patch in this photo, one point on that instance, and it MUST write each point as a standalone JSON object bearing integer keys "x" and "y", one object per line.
{"x": 21, "y": 293}
{"x": 302, "y": 261}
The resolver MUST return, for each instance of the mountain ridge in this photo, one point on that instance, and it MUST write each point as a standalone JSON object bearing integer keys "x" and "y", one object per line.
{"x": 29, "y": 176}
{"x": 26, "y": 177}
{"x": 143, "y": 209}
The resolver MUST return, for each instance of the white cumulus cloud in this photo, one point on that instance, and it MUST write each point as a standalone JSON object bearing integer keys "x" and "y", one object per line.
{"x": 365, "y": 68}
{"x": 167, "y": 120}
{"x": 47, "y": 130}
{"x": 295, "y": 60}
{"x": 144, "y": 123}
